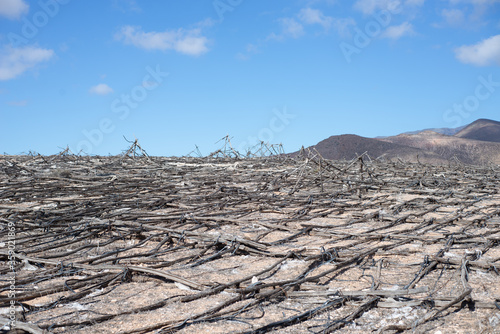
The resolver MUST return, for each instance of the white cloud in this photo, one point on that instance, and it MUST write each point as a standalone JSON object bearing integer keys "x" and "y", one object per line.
{"x": 480, "y": 7}
{"x": 15, "y": 61}
{"x": 292, "y": 28}
{"x": 242, "y": 56}
{"x": 396, "y": 32}
{"x": 325, "y": 2}
{"x": 206, "y": 23}
{"x": 309, "y": 16}
{"x": 453, "y": 17}
{"x": 127, "y": 6}
{"x": 101, "y": 89}
{"x": 484, "y": 53}
{"x": 250, "y": 49}
{"x": 289, "y": 28}
{"x": 315, "y": 16}
{"x": 474, "y": 2}
{"x": 342, "y": 26}
{"x": 369, "y": 7}
{"x": 189, "y": 42}
{"x": 13, "y": 9}
{"x": 416, "y": 3}
{"x": 21, "y": 103}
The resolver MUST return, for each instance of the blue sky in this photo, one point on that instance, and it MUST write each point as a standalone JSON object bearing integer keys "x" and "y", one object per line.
{"x": 176, "y": 74}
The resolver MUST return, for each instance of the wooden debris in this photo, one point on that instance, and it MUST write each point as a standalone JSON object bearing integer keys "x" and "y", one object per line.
{"x": 147, "y": 244}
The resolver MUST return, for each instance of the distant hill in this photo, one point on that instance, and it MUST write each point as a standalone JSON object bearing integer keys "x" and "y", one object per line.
{"x": 476, "y": 143}
{"x": 449, "y": 147}
{"x": 444, "y": 131}
{"x": 482, "y": 129}
{"x": 346, "y": 147}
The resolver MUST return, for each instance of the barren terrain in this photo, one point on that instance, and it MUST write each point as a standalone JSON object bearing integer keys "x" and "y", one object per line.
{"x": 278, "y": 244}
{"x": 476, "y": 144}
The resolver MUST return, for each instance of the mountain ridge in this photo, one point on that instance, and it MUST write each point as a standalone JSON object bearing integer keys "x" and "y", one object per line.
{"x": 470, "y": 144}
{"x": 481, "y": 129}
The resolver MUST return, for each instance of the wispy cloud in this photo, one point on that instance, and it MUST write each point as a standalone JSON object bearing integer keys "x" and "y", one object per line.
{"x": 21, "y": 103}
{"x": 250, "y": 50}
{"x": 475, "y": 9}
{"x": 368, "y": 7}
{"x": 484, "y": 53}
{"x": 101, "y": 89}
{"x": 315, "y": 16}
{"x": 289, "y": 28}
{"x": 15, "y": 61}
{"x": 311, "y": 16}
{"x": 453, "y": 16}
{"x": 294, "y": 27}
{"x": 189, "y": 42}
{"x": 127, "y": 6}
{"x": 474, "y": 2}
{"x": 396, "y": 32}
{"x": 13, "y": 9}
{"x": 415, "y": 3}
{"x": 343, "y": 26}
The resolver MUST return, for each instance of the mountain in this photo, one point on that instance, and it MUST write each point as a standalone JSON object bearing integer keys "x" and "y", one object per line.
{"x": 444, "y": 131}
{"x": 346, "y": 147}
{"x": 469, "y": 151}
{"x": 476, "y": 143}
{"x": 482, "y": 129}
